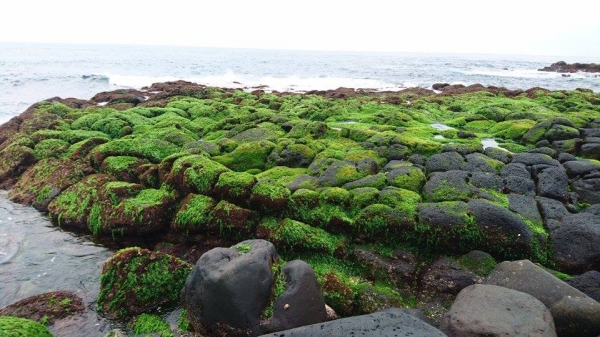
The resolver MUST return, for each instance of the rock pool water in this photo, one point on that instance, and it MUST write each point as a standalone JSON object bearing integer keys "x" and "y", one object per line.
{"x": 37, "y": 257}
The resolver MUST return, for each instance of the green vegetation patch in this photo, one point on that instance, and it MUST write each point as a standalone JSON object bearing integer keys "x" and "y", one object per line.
{"x": 147, "y": 324}
{"x": 21, "y": 327}
{"x": 137, "y": 280}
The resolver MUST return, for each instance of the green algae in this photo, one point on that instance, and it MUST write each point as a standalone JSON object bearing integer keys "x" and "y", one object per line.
{"x": 21, "y": 327}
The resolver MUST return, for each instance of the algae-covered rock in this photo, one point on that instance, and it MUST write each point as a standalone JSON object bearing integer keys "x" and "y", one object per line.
{"x": 19, "y": 327}
{"x": 42, "y": 182}
{"x": 45, "y": 308}
{"x": 14, "y": 160}
{"x": 136, "y": 280}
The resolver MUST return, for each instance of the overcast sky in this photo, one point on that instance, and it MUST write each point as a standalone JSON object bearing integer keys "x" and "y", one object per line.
{"x": 453, "y": 26}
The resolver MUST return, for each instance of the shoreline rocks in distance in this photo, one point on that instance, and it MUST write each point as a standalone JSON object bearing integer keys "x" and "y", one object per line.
{"x": 563, "y": 67}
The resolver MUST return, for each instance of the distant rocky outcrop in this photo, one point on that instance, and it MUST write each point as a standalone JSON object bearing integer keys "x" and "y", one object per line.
{"x": 564, "y": 67}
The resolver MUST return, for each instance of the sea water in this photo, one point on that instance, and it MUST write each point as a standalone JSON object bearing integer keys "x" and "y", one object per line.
{"x": 33, "y": 72}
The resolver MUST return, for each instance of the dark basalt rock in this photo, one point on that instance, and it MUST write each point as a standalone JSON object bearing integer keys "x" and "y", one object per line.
{"x": 574, "y": 313}
{"x": 563, "y": 67}
{"x": 530, "y": 159}
{"x": 447, "y": 278}
{"x": 525, "y": 206}
{"x": 501, "y": 225}
{"x": 576, "y": 243}
{"x": 227, "y": 290}
{"x": 302, "y": 301}
{"x": 580, "y": 167}
{"x": 515, "y": 170}
{"x": 444, "y": 162}
{"x": 516, "y": 184}
{"x": 553, "y": 183}
{"x": 388, "y": 323}
{"x": 400, "y": 269}
{"x": 588, "y": 190}
{"x": 489, "y": 310}
{"x": 588, "y": 283}
{"x": 553, "y": 212}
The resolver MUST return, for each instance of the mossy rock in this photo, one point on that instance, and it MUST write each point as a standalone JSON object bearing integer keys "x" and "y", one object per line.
{"x": 46, "y": 179}
{"x": 151, "y": 324}
{"x": 82, "y": 148}
{"x": 21, "y": 327}
{"x": 231, "y": 221}
{"x": 124, "y": 168}
{"x": 50, "y": 148}
{"x": 334, "y": 196}
{"x": 194, "y": 214}
{"x": 154, "y": 150}
{"x": 247, "y": 156}
{"x": 191, "y": 173}
{"x": 73, "y": 206}
{"x": 134, "y": 211}
{"x": 270, "y": 197}
{"x": 363, "y": 197}
{"x": 235, "y": 186}
{"x": 376, "y": 181}
{"x": 536, "y": 133}
{"x": 561, "y": 132}
{"x": 381, "y": 222}
{"x": 338, "y": 174}
{"x": 297, "y": 236}
{"x": 294, "y": 155}
{"x": 479, "y": 262}
{"x": 314, "y": 130}
{"x": 407, "y": 177}
{"x": 136, "y": 280}
{"x": 45, "y": 308}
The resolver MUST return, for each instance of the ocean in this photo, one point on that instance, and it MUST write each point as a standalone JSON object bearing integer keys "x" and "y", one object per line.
{"x": 33, "y": 72}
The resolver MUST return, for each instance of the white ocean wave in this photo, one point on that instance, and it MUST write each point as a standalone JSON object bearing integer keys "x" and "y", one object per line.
{"x": 231, "y": 79}
{"x": 523, "y": 73}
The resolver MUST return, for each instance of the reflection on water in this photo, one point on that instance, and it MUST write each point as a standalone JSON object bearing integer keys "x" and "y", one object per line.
{"x": 36, "y": 257}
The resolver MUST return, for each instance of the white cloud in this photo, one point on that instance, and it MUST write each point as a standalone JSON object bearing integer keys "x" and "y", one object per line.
{"x": 467, "y": 26}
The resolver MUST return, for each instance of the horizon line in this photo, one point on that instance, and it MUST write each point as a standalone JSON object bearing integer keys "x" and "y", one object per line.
{"x": 288, "y": 49}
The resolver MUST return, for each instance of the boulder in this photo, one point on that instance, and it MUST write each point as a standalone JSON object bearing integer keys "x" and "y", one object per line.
{"x": 588, "y": 283}
{"x": 553, "y": 211}
{"x": 400, "y": 269}
{"x": 502, "y": 227}
{"x": 530, "y": 159}
{"x": 574, "y": 313}
{"x": 228, "y": 288}
{"x": 489, "y": 310}
{"x": 576, "y": 243}
{"x": 520, "y": 185}
{"x": 136, "y": 280}
{"x": 390, "y": 322}
{"x": 580, "y": 167}
{"x": 444, "y": 162}
{"x": 524, "y": 206}
{"x": 48, "y": 306}
{"x": 339, "y": 173}
{"x": 588, "y": 190}
{"x": 553, "y": 183}
{"x": 446, "y": 277}
{"x": 302, "y": 301}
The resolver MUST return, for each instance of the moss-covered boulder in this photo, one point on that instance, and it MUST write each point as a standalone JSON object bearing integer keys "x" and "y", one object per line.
{"x": 136, "y": 280}
{"x": 235, "y": 186}
{"x": 293, "y": 235}
{"x": 407, "y": 177}
{"x": 191, "y": 173}
{"x": 247, "y": 156}
{"x": 14, "y": 160}
{"x": 73, "y": 207}
{"x": 194, "y": 214}
{"x": 124, "y": 168}
{"x": 45, "y": 308}
{"x": 339, "y": 173}
{"x": 43, "y": 181}
{"x": 20, "y": 327}
{"x": 231, "y": 221}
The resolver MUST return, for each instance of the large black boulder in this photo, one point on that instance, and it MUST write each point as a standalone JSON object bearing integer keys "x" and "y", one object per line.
{"x": 229, "y": 288}
{"x": 387, "y": 323}
{"x": 553, "y": 183}
{"x": 576, "y": 243}
{"x": 574, "y": 313}
{"x": 588, "y": 190}
{"x": 302, "y": 301}
{"x": 489, "y": 310}
{"x": 446, "y": 277}
{"x": 444, "y": 162}
{"x": 588, "y": 283}
{"x": 502, "y": 227}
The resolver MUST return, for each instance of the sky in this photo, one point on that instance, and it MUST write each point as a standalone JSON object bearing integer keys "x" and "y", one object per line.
{"x": 524, "y": 27}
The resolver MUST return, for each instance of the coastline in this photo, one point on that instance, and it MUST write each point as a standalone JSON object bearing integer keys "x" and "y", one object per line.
{"x": 362, "y": 175}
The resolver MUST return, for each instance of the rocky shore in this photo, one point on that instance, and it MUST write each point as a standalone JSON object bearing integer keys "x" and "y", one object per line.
{"x": 563, "y": 67}
{"x": 325, "y": 213}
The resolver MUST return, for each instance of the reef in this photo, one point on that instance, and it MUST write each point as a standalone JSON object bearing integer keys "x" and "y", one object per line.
{"x": 563, "y": 67}
{"x": 386, "y": 195}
